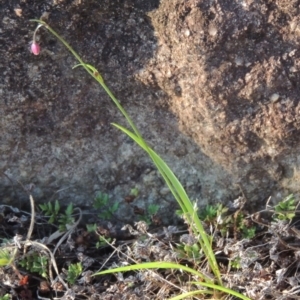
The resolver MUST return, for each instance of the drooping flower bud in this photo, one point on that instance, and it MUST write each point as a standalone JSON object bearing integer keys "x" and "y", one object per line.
{"x": 35, "y": 48}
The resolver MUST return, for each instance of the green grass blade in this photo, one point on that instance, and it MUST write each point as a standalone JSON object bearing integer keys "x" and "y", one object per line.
{"x": 154, "y": 265}
{"x": 192, "y": 293}
{"x": 170, "y": 265}
{"x": 223, "y": 289}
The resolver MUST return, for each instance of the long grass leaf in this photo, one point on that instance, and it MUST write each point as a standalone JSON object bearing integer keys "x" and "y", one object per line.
{"x": 170, "y": 265}
{"x": 192, "y": 293}
{"x": 153, "y": 265}
{"x": 222, "y": 288}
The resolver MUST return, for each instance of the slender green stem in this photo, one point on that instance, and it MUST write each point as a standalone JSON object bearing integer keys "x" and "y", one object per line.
{"x": 83, "y": 64}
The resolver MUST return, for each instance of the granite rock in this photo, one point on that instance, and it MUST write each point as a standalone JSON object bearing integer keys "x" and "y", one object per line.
{"x": 212, "y": 86}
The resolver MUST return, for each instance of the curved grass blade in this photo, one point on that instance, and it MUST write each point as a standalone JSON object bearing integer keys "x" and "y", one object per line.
{"x": 192, "y": 293}
{"x": 222, "y": 288}
{"x": 183, "y": 200}
{"x": 153, "y": 265}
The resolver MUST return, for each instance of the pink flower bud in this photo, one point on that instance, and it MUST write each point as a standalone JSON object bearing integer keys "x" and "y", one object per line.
{"x": 35, "y": 48}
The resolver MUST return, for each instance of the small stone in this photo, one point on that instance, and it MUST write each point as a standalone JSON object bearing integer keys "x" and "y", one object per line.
{"x": 212, "y": 30}
{"x": 18, "y": 12}
{"x": 274, "y": 97}
{"x": 164, "y": 191}
{"x": 239, "y": 61}
{"x": 187, "y": 32}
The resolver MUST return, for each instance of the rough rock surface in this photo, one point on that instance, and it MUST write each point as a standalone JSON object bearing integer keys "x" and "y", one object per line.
{"x": 212, "y": 85}
{"x": 231, "y": 70}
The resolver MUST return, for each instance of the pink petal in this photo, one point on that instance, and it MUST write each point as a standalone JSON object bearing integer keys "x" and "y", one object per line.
{"x": 35, "y": 48}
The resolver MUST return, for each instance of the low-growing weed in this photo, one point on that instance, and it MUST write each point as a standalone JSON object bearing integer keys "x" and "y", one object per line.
{"x": 6, "y": 258}
{"x": 102, "y": 242}
{"x": 103, "y": 203}
{"x": 189, "y": 252}
{"x": 152, "y": 209}
{"x": 74, "y": 271}
{"x": 285, "y": 210}
{"x": 235, "y": 263}
{"x": 243, "y": 227}
{"x": 92, "y": 228}
{"x": 134, "y": 192}
{"x": 35, "y": 263}
{"x": 210, "y": 213}
{"x": 217, "y": 215}
{"x": 150, "y": 212}
{"x": 53, "y": 211}
{"x": 66, "y": 218}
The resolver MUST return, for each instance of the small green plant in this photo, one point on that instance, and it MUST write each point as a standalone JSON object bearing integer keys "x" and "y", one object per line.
{"x": 53, "y": 211}
{"x": 247, "y": 231}
{"x": 153, "y": 209}
{"x": 150, "y": 212}
{"x": 134, "y": 192}
{"x": 285, "y": 210}
{"x": 74, "y": 271}
{"x": 210, "y": 213}
{"x": 190, "y": 252}
{"x": 102, "y": 202}
{"x": 217, "y": 215}
{"x": 235, "y": 263}
{"x": 36, "y": 263}
{"x": 102, "y": 242}
{"x": 66, "y": 218}
{"x": 6, "y": 258}
{"x": 91, "y": 227}
{"x": 5, "y": 297}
